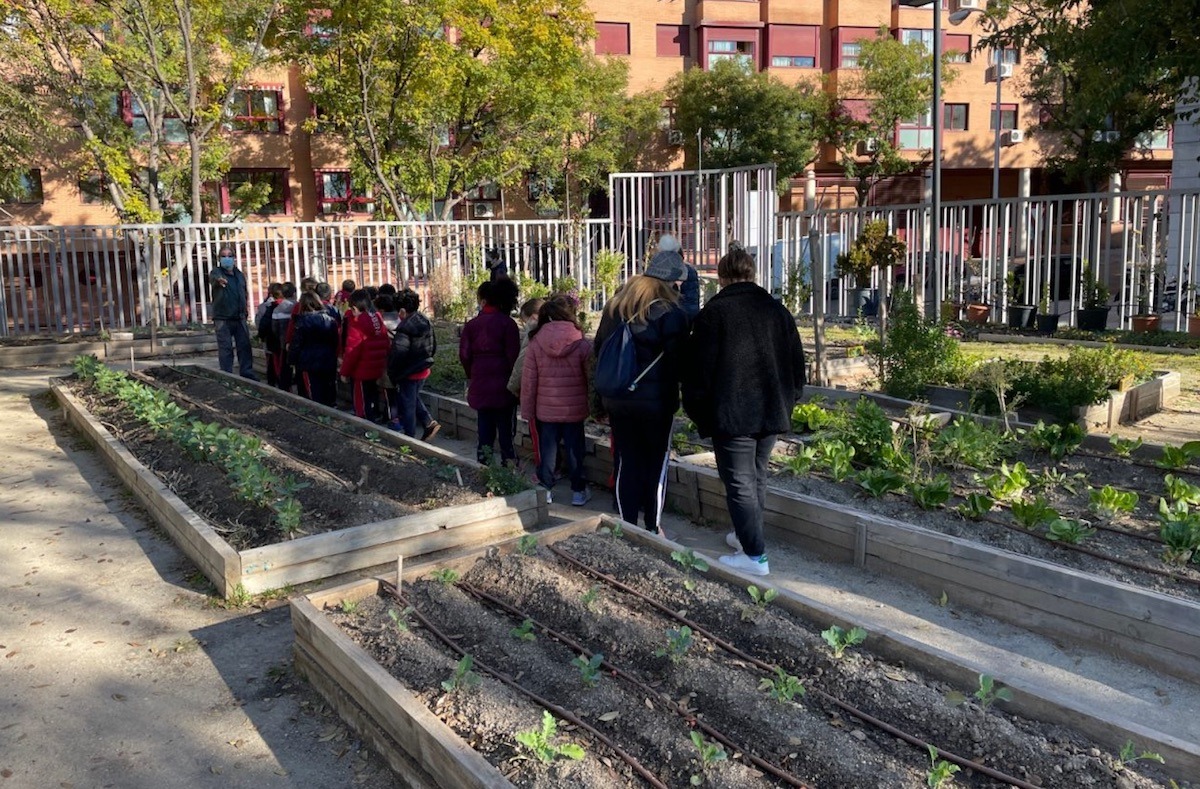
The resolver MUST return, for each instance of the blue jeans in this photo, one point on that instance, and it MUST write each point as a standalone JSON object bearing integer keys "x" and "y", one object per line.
{"x": 545, "y": 447}
{"x": 407, "y": 408}
{"x": 230, "y": 335}
{"x": 742, "y": 465}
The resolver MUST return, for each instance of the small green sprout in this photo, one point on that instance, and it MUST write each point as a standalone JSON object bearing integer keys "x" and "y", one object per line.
{"x": 1109, "y": 503}
{"x": 1032, "y": 514}
{"x": 976, "y": 506}
{"x": 941, "y": 772}
{"x": 589, "y": 598}
{"x": 1129, "y": 755}
{"x": 524, "y": 632}
{"x": 1124, "y": 447}
{"x": 527, "y": 545}
{"x": 783, "y": 687}
{"x": 1069, "y": 531}
{"x": 678, "y": 643}
{"x": 400, "y": 618}
{"x": 589, "y": 668}
{"x": 761, "y": 598}
{"x": 349, "y": 607}
{"x": 691, "y": 563}
{"x": 932, "y": 493}
{"x": 541, "y": 745}
{"x": 710, "y": 754}
{"x": 988, "y": 694}
{"x": 839, "y": 639}
{"x": 446, "y": 576}
{"x": 463, "y": 677}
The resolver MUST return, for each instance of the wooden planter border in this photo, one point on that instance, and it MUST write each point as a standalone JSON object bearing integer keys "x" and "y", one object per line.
{"x": 310, "y": 558}
{"x": 117, "y": 350}
{"x": 1145, "y": 627}
{"x": 380, "y": 702}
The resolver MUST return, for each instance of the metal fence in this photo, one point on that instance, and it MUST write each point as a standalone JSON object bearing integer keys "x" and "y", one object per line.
{"x": 71, "y": 279}
{"x": 1143, "y": 246}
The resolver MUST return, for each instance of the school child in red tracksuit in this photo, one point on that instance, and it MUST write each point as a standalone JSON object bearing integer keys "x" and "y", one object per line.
{"x": 365, "y": 358}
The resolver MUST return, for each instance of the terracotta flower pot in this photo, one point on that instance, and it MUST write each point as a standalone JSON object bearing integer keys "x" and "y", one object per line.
{"x": 978, "y": 313}
{"x": 1194, "y": 325}
{"x": 1146, "y": 323}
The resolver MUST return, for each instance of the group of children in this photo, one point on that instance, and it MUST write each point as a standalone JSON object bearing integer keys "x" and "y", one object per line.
{"x": 374, "y": 339}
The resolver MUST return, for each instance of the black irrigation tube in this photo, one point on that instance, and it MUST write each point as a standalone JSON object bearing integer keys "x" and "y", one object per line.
{"x": 1140, "y": 463}
{"x": 771, "y": 669}
{"x": 561, "y": 712}
{"x": 679, "y": 709}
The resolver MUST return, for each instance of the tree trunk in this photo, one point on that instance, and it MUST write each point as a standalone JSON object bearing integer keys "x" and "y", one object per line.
{"x": 194, "y": 152}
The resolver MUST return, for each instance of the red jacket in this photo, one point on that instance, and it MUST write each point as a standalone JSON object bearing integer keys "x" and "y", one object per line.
{"x": 367, "y": 346}
{"x": 554, "y": 383}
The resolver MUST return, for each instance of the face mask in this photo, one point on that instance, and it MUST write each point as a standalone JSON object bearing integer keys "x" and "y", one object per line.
{"x": 226, "y": 262}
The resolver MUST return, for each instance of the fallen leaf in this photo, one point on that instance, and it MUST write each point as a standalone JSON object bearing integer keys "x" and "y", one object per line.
{"x": 7, "y": 773}
{"x": 954, "y": 698}
{"x": 14, "y": 652}
{"x": 648, "y": 704}
{"x": 609, "y": 716}
{"x": 943, "y": 599}
{"x": 38, "y": 622}
{"x": 118, "y": 697}
{"x": 214, "y": 769}
{"x": 892, "y": 675}
{"x": 71, "y": 630}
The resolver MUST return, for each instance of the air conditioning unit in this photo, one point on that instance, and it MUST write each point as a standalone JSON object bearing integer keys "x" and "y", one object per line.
{"x": 483, "y": 210}
{"x": 1005, "y": 71}
{"x": 868, "y": 147}
{"x": 1112, "y": 136}
{"x": 968, "y": 5}
{"x": 674, "y": 137}
{"x": 1012, "y": 137}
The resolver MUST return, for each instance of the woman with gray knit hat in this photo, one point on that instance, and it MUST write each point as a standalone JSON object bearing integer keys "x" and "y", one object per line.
{"x": 689, "y": 283}
{"x": 641, "y": 419}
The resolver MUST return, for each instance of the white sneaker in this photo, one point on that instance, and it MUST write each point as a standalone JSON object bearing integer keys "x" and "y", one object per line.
{"x": 580, "y": 497}
{"x": 733, "y": 542}
{"x": 549, "y": 497}
{"x": 751, "y": 565}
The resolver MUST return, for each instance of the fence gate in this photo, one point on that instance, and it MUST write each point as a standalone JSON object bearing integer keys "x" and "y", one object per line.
{"x": 704, "y": 209}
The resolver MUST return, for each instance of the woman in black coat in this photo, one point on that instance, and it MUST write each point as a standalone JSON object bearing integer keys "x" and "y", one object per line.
{"x": 313, "y": 350}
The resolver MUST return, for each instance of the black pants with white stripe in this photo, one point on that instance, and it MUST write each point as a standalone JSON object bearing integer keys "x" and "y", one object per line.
{"x": 642, "y": 446}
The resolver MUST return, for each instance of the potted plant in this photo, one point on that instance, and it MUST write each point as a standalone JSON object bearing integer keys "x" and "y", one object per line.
{"x": 1144, "y": 320}
{"x": 976, "y": 310}
{"x": 1093, "y": 314}
{"x": 1147, "y": 320}
{"x": 949, "y": 311}
{"x": 1020, "y": 315}
{"x": 874, "y": 247}
{"x": 1047, "y": 322}
{"x": 1194, "y": 320}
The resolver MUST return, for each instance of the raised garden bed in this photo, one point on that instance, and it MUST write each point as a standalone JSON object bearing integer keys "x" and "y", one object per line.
{"x": 360, "y": 499}
{"x": 37, "y": 351}
{"x": 865, "y": 719}
{"x": 1043, "y": 586}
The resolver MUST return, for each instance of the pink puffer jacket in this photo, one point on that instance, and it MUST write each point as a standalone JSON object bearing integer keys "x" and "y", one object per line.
{"x": 554, "y": 382}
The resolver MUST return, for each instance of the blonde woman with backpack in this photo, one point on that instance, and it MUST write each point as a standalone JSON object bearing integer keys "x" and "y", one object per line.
{"x": 640, "y": 414}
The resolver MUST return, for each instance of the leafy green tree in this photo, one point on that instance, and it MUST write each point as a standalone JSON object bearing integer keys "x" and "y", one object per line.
{"x": 441, "y": 97}
{"x": 1114, "y": 66}
{"x": 744, "y": 117}
{"x": 896, "y": 81}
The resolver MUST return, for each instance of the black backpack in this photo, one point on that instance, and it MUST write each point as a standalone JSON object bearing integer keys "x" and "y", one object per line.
{"x": 616, "y": 374}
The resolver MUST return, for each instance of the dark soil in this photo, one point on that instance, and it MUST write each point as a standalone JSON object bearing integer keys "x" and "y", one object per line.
{"x": 350, "y": 481}
{"x": 809, "y": 737}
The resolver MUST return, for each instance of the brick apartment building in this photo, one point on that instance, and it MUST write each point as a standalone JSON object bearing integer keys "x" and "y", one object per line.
{"x": 791, "y": 39}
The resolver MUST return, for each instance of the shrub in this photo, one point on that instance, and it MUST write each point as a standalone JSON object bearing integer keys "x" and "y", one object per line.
{"x": 915, "y": 353}
{"x": 1083, "y": 378}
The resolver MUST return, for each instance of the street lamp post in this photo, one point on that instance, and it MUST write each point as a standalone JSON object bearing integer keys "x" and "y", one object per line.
{"x": 935, "y": 219}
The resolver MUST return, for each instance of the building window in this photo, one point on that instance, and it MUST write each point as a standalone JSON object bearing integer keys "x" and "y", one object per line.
{"x": 255, "y": 110}
{"x": 674, "y": 41}
{"x": 1157, "y": 140}
{"x": 957, "y": 47}
{"x": 612, "y": 38}
{"x": 336, "y": 194}
{"x": 741, "y": 52}
{"x": 1010, "y": 56}
{"x": 134, "y": 114}
{"x": 917, "y": 133}
{"x": 922, "y": 37}
{"x": 850, "y": 52}
{"x": 954, "y": 117}
{"x": 27, "y": 190}
{"x": 489, "y": 191}
{"x": 1008, "y": 116}
{"x": 239, "y": 183}
{"x": 92, "y": 189}
{"x": 793, "y": 46}
{"x": 319, "y": 25}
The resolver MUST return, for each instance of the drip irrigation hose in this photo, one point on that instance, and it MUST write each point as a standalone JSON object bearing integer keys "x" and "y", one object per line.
{"x": 679, "y": 709}
{"x": 561, "y": 712}
{"x": 770, "y": 669}
{"x": 1140, "y": 463}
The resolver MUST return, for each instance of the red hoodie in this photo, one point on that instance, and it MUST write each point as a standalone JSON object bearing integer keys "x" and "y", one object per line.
{"x": 367, "y": 347}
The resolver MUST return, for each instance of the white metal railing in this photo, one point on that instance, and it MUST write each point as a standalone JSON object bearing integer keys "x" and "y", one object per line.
{"x": 1141, "y": 245}
{"x": 70, "y": 279}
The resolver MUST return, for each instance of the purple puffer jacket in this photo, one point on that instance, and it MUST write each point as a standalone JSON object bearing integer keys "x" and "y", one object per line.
{"x": 488, "y": 349}
{"x": 554, "y": 383}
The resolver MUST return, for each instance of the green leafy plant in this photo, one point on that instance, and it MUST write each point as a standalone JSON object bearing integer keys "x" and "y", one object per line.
{"x": 1124, "y": 447}
{"x": 865, "y": 428}
{"x": 86, "y": 366}
{"x": 527, "y": 545}
{"x": 1032, "y": 514}
{"x": 446, "y": 576}
{"x": 1129, "y": 755}
{"x": 504, "y": 479}
{"x": 691, "y": 563}
{"x": 762, "y": 597}
{"x": 613, "y": 530}
{"x": 1179, "y": 457}
{"x": 836, "y": 456}
{"x": 1055, "y": 440}
{"x": 541, "y": 743}
{"x": 1083, "y": 378}
{"x": 679, "y": 641}
{"x": 800, "y": 463}
{"x": 1179, "y": 528}
{"x": 400, "y": 618}
{"x": 349, "y": 607}
{"x": 975, "y": 506}
{"x": 931, "y": 493}
{"x": 1052, "y": 479}
{"x": 811, "y": 416}
{"x": 916, "y": 352}
{"x": 710, "y": 754}
{"x": 880, "y": 481}
{"x": 287, "y": 516}
{"x": 988, "y": 693}
{"x": 840, "y": 639}
{"x": 524, "y": 632}
{"x": 965, "y": 442}
{"x": 463, "y": 677}
{"x": 782, "y": 687}
{"x": 589, "y": 668}
{"x": 1179, "y": 489}
{"x": 1110, "y": 503}
{"x": 1068, "y": 530}
{"x": 589, "y": 598}
{"x": 941, "y": 772}
{"x": 1007, "y": 483}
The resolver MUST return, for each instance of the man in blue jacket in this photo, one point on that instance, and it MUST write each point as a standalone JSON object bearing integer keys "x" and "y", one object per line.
{"x": 230, "y": 306}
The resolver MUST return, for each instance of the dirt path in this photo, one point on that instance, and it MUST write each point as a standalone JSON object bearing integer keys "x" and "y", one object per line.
{"x": 115, "y": 670}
